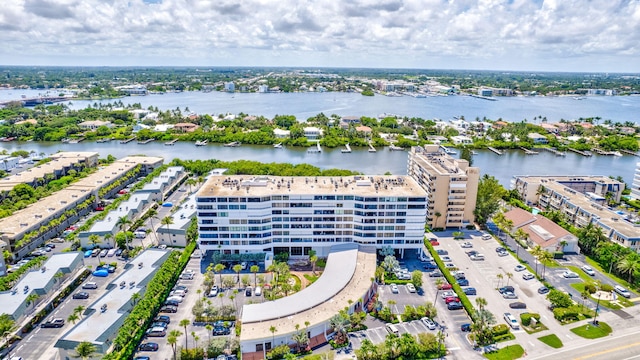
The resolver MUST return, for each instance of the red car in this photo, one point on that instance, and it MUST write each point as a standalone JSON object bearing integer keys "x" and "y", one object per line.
{"x": 122, "y": 192}
{"x": 434, "y": 242}
{"x": 451, "y": 299}
{"x": 445, "y": 287}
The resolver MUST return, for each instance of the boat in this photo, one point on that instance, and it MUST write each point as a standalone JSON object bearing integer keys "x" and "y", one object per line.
{"x": 201, "y": 143}
{"x": 233, "y": 144}
{"x": 473, "y": 152}
{"x": 347, "y": 149}
{"x": 617, "y": 153}
{"x": 278, "y": 146}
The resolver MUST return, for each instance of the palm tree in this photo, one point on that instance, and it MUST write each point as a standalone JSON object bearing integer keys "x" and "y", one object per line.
{"x": 123, "y": 222}
{"x": 191, "y": 182}
{"x": 79, "y": 310}
{"x": 561, "y": 245}
{"x": 481, "y": 302}
{"x": 31, "y": 299}
{"x": 237, "y": 268}
{"x": 218, "y": 269}
{"x": 72, "y": 318}
{"x": 544, "y": 257}
{"x": 107, "y": 238}
{"x": 536, "y": 252}
{"x": 509, "y": 276}
{"x": 152, "y": 215}
{"x": 629, "y": 265}
{"x": 500, "y": 277}
{"x": 313, "y": 259}
{"x": 94, "y": 240}
{"x": 437, "y": 215}
{"x": 57, "y": 276}
{"x": 254, "y": 269}
{"x": 172, "y": 339}
{"x": 167, "y": 220}
{"x": 135, "y": 297}
{"x": 209, "y": 328}
{"x": 85, "y": 350}
{"x": 184, "y": 323}
{"x": 273, "y": 336}
{"x": 195, "y": 338}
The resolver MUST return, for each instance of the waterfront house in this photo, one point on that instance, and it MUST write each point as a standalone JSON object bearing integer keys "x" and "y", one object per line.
{"x": 312, "y": 133}
{"x": 139, "y": 126}
{"x": 538, "y": 138}
{"x": 281, "y": 134}
{"x": 185, "y": 127}
{"x": 461, "y": 140}
{"x": 94, "y": 124}
{"x": 550, "y": 128}
{"x": 364, "y": 129}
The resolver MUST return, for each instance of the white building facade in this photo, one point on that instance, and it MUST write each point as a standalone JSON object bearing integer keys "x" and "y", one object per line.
{"x": 635, "y": 187}
{"x": 296, "y": 214}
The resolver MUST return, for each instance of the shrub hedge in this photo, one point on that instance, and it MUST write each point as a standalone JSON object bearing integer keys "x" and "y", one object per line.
{"x": 526, "y": 318}
{"x": 447, "y": 275}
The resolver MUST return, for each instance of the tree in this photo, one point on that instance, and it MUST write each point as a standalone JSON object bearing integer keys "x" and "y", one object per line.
{"x": 500, "y": 277}
{"x": 31, "y": 299}
{"x": 135, "y": 297}
{"x": 630, "y": 265}
{"x": 544, "y": 257}
{"x": 123, "y": 222}
{"x": 509, "y": 276}
{"x": 209, "y": 328}
{"x": 107, "y": 238}
{"x": 184, "y": 323}
{"x": 466, "y": 154}
{"x": 237, "y": 268}
{"x": 151, "y": 214}
{"x": 218, "y": 269}
{"x": 273, "y": 331}
{"x": 85, "y": 350}
{"x": 78, "y": 310}
{"x": 72, "y": 318}
{"x": 254, "y": 269}
{"x": 416, "y": 278}
{"x": 313, "y": 258}
{"x": 558, "y": 298}
{"x": 490, "y": 193}
{"x": 195, "y": 338}
{"x": 172, "y": 339}
{"x": 94, "y": 240}
{"x": 167, "y": 220}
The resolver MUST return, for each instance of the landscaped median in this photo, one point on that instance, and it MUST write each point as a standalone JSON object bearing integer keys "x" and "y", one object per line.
{"x": 450, "y": 279}
{"x": 510, "y": 352}
{"x": 552, "y": 340}
{"x": 590, "y": 331}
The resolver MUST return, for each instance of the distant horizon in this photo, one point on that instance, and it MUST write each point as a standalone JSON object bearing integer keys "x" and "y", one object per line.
{"x": 203, "y": 67}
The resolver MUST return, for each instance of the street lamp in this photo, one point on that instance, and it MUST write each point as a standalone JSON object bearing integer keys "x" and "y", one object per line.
{"x": 595, "y": 318}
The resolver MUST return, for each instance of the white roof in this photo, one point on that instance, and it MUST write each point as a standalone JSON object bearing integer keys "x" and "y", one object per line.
{"x": 341, "y": 264}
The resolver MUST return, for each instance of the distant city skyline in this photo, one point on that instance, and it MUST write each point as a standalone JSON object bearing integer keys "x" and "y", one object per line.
{"x": 516, "y": 35}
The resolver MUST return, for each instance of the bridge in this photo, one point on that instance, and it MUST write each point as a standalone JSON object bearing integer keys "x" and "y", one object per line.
{"x": 37, "y": 100}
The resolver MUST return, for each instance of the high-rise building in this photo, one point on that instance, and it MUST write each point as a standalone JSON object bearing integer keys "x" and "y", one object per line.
{"x": 229, "y": 86}
{"x": 451, "y": 186}
{"x": 635, "y": 187}
{"x": 238, "y": 214}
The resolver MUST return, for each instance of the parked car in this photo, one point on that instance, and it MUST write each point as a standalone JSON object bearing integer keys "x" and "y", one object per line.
{"x": 450, "y": 265}
{"x": 101, "y": 273}
{"x": 486, "y": 237}
{"x": 221, "y": 330}
{"x": 163, "y": 318}
{"x": 509, "y": 295}
{"x": 477, "y": 257}
{"x": 103, "y": 252}
{"x": 81, "y": 295}
{"x": 520, "y": 267}
{"x": 160, "y": 324}
{"x": 181, "y": 287}
{"x": 248, "y": 291}
{"x": 445, "y": 286}
{"x": 465, "y": 327}
{"x": 430, "y": 266}
{"x": 172, "y": 303}
{"x": 446, "y": 294}
{"x": 428, "y": 323}
{"x": 588, "y": 270}
{"x": 543, "y": 290}
{"x": 454, "y": 305}
{"x": 445, "y": 259}
{"x": 503, "y": 253}
{"x": 463, "y": 282}
{"x": 411, "y": 288}
{"x": 156, "y": 332}
{"x": 451, "y": 299}
{"x": 527, "y": 275}
{"x": 90, "y": 285}
{"x": 150, "y": 346}
{"x": 214, "y": 291}
{"x": 442, "y": 252}
{"x": 394, "y": 288}
{"x": 471, "y": 252}
{"x": 466, "y": 245}
{"x": 511, "y": 321}
{"x": 436, "y": 273}
{"x": 570, "y": 275}
{"x": 518, "y": 305}
{"x": 181, "y": 293}
{"x": 469, "y": 291}
{"x": 53, "y": 323}
{"x": 622, "y": 291}
{"x": 505, "y": 289}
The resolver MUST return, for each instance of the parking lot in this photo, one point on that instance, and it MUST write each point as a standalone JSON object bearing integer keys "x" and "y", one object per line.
{"x": 378, "y": 334}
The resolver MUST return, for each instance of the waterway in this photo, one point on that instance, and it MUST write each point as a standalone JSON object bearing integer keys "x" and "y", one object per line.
{"x": 305, "y": 105}
{"x": 502, "y": 167}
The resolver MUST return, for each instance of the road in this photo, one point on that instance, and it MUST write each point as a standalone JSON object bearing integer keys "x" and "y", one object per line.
{"x": 619, "y": 347}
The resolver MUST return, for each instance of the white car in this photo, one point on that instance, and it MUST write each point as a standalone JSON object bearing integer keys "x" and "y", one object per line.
{"x": 570, "y": 275}
{"x": 411, "y": 288}
{"x": 511, "y": 321}
{"x": 448, "y": 293}
{"x": 214, "y": 291}
{"x": 394, "y": 288}
{"x": 588, "y": 270}
{"x": 527, "y": 275}
{"x": 622, "y": 291}
{"x": 466, "y": 245}
{"x": 177, "y": 298}
{"x": 520, "y": 267}
{"x": 477, "y": 257}
{"x": 428, "y": 323}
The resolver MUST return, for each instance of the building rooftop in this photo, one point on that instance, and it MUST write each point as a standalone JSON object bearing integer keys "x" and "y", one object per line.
{"x": 100, "y": 328}
{"x": 182, "y": 217}
{"x": 339, "y": 283}
{"x": 238, "y": 185}
{"x": 163, "y": 179}
{"x": 126, "y": 208}
{"x": 430, "y": 157}
{"x": 58, "y": 162}
{"x": 36, "y": 280}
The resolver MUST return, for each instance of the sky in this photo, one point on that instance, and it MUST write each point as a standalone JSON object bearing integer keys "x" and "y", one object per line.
{"x": 536, "y": 35}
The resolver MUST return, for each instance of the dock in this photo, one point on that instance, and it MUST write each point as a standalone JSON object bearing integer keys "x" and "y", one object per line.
{"x": 104, "y": 140}
{"x": 371, "y": 148}
{"x": 347, "y": 149}
{"x": 233, "y": 144}
{"x": 171, "y": 143}
{"x": 629, "y": 152}
{"x": 126, "y": 141}
{"x": 606, "y": 153}
{"x": 395, "y": 148}
{"x": 555, "y": 151}
{"x": 201, "y": 143}
{"x": 76, "y": 141}
{"x": 495, "y": 150}
{"x": 278, "y": 146}
{"x": 483, "y": 97}
{"x": 315, "y": 149}
{"x": 527, "y": 151}
{"x": 583, "y": 153}
{"x": 142, "y": 142}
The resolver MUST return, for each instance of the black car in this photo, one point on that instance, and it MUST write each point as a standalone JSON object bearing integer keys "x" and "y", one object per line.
{"x": 543, "y": 290}
{"x": 81, "y": 295}
{"x": 442, "y": 252}
{"x": 247, "y": 292}
{"x": 430, "y": 265}
{"x": 471, "y": 252}
{"x": 465, "y": 327}
{"x": 141, "y": 358}
{"x": 162, "y": 318}
{"x": 505, "y": 289}
{"x": 454, "y": 305}
{"x": 160, "y": 324}
{"x": 150, "y": 346}
{"x": 435, "y": 274}
{"x": 172, "y": 303}
{"x": 221, "y": 330}
{"x": 518, "y": 305}
{"x": 118, "y": 252}
{"x": 169, "y": 309}
{"x": 500, "y": 249}
{"x": 469, "y": 291}
{"x": 54, "y": 323}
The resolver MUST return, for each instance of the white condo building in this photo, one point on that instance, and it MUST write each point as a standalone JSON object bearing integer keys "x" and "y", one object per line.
{"x": 635, "y": 187}
{"x": 238, "y": 214}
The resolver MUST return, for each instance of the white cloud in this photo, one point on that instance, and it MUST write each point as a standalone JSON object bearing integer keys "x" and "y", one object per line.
{"x": 599, "y": 35}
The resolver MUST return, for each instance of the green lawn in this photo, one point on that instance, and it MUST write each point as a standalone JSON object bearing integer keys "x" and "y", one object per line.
{"x": 531, "y": 330}
{"x": 589, "y": 331}
{"x": 507, "y": 353}
{"x": 608, "y": 304}
{"x": 551, "y": 340}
